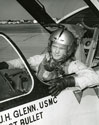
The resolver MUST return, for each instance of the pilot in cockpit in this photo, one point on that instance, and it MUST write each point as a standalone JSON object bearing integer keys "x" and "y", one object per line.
{"x": 58, "y": 61}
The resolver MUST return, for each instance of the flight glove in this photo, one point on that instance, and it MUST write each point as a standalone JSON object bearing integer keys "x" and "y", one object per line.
{"x": 3, "y": 65}
{"x": 59, "y": 84}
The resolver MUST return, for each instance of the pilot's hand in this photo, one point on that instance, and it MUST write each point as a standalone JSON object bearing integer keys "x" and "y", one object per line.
{"x": 3, "y": 65}
{"x": 59, "y": 84}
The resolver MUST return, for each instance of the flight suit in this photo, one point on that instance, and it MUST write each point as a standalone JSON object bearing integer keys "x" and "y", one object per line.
{"x": 84, "y": 76}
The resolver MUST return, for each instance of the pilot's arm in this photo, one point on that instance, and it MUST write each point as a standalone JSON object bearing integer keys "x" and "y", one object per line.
{"x": 17, "y": 63}
{"x": 84, "y": 77}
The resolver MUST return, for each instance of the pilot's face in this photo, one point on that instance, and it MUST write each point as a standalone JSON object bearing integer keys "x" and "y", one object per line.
{"x": 58, "y": 51}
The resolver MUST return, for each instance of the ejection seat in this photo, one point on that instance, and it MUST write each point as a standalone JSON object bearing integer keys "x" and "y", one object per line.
{"x": 87, "y": 50}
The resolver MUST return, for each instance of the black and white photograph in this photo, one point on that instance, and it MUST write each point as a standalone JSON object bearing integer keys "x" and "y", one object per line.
{"x": 49, "y": 62}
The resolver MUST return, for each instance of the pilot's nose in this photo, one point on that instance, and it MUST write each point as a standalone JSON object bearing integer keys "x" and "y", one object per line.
{"x": 57, "y": 50}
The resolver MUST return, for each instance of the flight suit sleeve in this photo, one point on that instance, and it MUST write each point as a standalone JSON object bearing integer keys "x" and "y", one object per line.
{"x": 84, "y": 76}
{"x": 33, "y": 61}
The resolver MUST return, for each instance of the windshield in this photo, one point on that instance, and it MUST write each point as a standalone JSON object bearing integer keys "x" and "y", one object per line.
{"x": 14, "y": 80}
